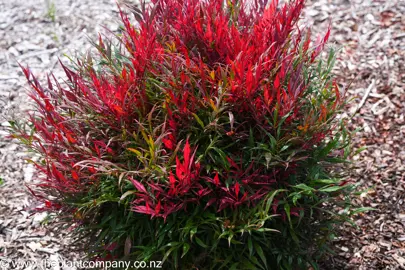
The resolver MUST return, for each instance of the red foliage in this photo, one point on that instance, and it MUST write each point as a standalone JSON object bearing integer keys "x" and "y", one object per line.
{"x": 195, "y": 50}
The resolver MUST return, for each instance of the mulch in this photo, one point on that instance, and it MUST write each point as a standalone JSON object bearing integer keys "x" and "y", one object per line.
{"x": 371, "y": 64}
{"x": 370, "y": 36}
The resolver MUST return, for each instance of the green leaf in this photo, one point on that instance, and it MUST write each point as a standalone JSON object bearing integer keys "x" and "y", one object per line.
{"x": 273, "y": 142}
{"x": 270, "y": 198}
{"x": 234, "y": 266}
{"x": 328, "y": 148}
{"x": 137, "y": 152}
{"x": 250, "y": 246}
{"x": 201, "y": 123}
{"x": 294, "y": 236}
{"x": 285, "y": 147}
{"x": 358, "y": 151}
{"x": 200, "y": 242}
{"x": 296, "y": 197}
{"x": 186, "y": 248}
{"x": 331, "y": 57}
{"x": 167, "y": 254}
{"x": 326, "y": 181}
{"x": 287, "y": 211}
{"x": 176, "y": 258}
{"x": 280, "y": 124}
{"x": 361, "y": 210}
{"x": 126, "y": 194}
{"x": 173, "y": 244}
{"x": 226, "y": 262}
{"x": 275, "y": 115}
{"x": 221, "y": 154}
{"x": 304, "y": 187}
{"x": 230, "y": 239}
{"x": 268, "y": 157}
{"x": 314, "y": 265}
{"x": 267, "y": 230}
{"x": 259, "y": 251}
{"x": 258, "y": 265}
{"x": 331, "y": 189}
{"x": 248, "y": 265}
{"x": 193, "y": 231}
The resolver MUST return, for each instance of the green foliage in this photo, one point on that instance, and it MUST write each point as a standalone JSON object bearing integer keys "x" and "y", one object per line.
{"x": 51, "y": 10}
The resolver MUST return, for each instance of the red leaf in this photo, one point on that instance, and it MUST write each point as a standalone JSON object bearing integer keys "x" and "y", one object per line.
{"x": 75, "y": 175}
{"x": 155, "y": 187}
{"x": 325, "y": 39}
{"x": 96, "y": 148}
{"x": 48, "y": 204}
{"x": 216, "y": 179}
{"x": 211, "y": 201}
{"x": 186, "y": 153}
{"x": 58, "y": 174}
{"x": 237, "y": 189}
{"x": 143, "y": 209}
{"x": 180, "y": 170}
{"x": 307, "y": 41}
{"x": 267, "y": 96}
{"x": 208, "y": 33}
{"x": 232, "y": 163}
{"x": 158, "y": 207}
{"x": 277, "y": 82}
{"x": 111, "y": 246}
{"x": 138, "y": 185}
{"x": 48, "y": 106}
{"x": 172, "y": 181}
{"x": 124, "y": 73}
{"x": 168, "y": 143}
{"x": 118, "y": 109}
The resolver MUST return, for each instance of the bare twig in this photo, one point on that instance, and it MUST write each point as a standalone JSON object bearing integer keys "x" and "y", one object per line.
{"x": 366, "y": 94}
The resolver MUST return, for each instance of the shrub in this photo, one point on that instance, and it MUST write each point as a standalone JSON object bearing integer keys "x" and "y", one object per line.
{"x": 205, "y": 135}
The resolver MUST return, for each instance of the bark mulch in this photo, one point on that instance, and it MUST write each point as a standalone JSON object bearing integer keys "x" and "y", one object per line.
{"x": 370, "y": 36}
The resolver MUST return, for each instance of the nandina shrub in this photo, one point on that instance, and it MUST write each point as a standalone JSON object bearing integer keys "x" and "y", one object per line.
{"x": 205, "y": 134}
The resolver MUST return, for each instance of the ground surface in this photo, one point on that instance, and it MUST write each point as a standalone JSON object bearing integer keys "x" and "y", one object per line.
{"x": 371, "y": 36}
